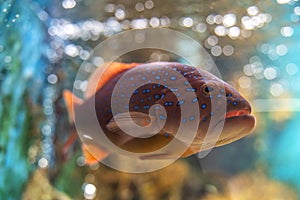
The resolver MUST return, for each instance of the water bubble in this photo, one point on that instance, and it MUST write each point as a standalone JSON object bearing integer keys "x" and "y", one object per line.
{"x": 216, "y": 50}
{"x": 294, "y": 18}
{"x": 201, "y": 27}
{"x": 248, "y": 70}
{"x": 17, "y": 15}
{"x": 212, "y": 40}
{"x": 83, "y": 85}
{"x": 210, "y": 19}
{"x": 281, "y": 50}
{"x": 110, "y": 8}
{"x": 245, "y": 82}
{"x": 247, "y": 23}
{"x": 139, "y": 23}
{"x": 120, "y": 14}
{"x": 68, "y": 4}
{"x": 264, "y": 48}
{"x": 272, "y": 54}
{"x": 97, "y": 61}
{"x": 52, "y": 78}
{"x": 43, "y": 163}
{"x": 218, "y": 19}
{"x": 283, "y": 1}
{"x": 80, "y": 161}
{"x": 4, "y": 10}
{"x": 46, "y": 130}
{"x": 291, "y": 68}
{"x": 229, "y": 20}
{"x": 71, "y": 50}
{"x": 228, "y": 50}
{"x": 270, "y": 73}
{"x": 165, "y": 21}
{"x": 252, "y": 10}
{"x": 89, "y": 191}
{"x": 149, "y": 4}
{"x": 7, "y": 59}
{"x": 139, "y": 7}
{"x": 287, "y": 31}
{"x": 234, "y": 32}
{"x": 246, "y": 33}
{"x": 276, "y": 89}
{"x": 154, "y": 22}
{"x": 187, "y": 22}
{"x": 297, "y": 10}
{"x": 220, "y": 30}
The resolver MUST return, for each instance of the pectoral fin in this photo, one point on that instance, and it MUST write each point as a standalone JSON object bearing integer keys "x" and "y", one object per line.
{"x": 140, "y": 119}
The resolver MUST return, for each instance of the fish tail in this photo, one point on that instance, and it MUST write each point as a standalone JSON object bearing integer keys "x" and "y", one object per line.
{"x": 72, "y": 102}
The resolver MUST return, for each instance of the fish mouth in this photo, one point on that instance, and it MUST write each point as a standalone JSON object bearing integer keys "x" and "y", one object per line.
{"x": 238, "y": 124}
{"x": 238, "y": 113}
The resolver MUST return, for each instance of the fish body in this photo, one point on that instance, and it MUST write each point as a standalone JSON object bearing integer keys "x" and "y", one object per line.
{"x": 161, "y": 89}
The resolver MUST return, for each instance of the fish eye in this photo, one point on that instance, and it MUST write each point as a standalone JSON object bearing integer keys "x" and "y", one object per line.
{"x": 207, "y": 89}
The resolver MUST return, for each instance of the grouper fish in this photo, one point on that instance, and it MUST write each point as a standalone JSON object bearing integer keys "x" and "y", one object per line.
{"x": 170, "y": 97}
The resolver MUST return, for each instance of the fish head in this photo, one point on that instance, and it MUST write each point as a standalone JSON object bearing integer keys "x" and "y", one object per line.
{"x": 225, "y": 115}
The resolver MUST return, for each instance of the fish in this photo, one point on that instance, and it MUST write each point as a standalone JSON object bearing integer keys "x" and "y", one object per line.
{"x": 157, "y": 100}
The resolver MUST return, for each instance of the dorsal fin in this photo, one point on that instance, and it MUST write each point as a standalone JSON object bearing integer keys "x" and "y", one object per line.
{"x": 112, "y": 70}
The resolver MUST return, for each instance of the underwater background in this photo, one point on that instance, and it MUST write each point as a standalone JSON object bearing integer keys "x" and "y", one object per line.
{"x": 255, "y": 45}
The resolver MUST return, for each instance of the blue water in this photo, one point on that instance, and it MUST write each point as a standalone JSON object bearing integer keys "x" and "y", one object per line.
{"x": 22, "y": 49}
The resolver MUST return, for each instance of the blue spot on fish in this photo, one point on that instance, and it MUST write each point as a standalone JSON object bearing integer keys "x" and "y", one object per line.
{"x": 192, "y": 118}
{"x": 157, "y": 77}
{"x": 174, "y": 89}
{"x": 157, "y": 96}
{"x": 191, "y": 89}
{"x": 203, "y": 106}
{"x": 204, "y": 119}
{"x": 222, "y": 90}
{"x": 173, "y": 78}
{"x": 228, "y": 101}
{"x": 166, "y": 74}
{"x": 168, "y": 103}
{"x": 234, "y": 103}
{"x": 136, "y": 107}
{"x": 146, "y": 107}
{"x": 144, "y": 78}
{"x": 195, "y": 100}
{"x": 180, "y": 102}
{"x": 166, "y": 135}
{"x": 149, "y": 98}
{"x": 131, "y": 78}
{"x": 142, "y": 100}
{"x": 162, "y": 117}
{"x": 186, "y": 83}
{"x": 136, "y": 91}
{"x": 146, "y": 91}
{"x": 162, "y": 96}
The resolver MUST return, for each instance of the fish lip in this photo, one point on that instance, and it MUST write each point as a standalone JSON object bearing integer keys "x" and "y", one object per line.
{"x": 238, "y": 113}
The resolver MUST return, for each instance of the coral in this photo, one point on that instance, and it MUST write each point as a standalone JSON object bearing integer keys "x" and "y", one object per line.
{"x": 39, "y": 187}
{"x": 253, "y": 185}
